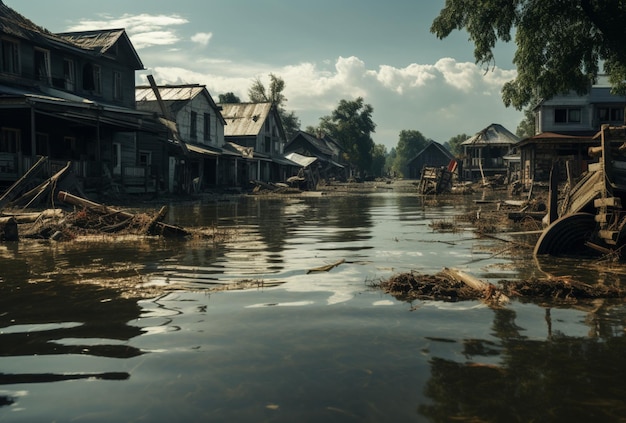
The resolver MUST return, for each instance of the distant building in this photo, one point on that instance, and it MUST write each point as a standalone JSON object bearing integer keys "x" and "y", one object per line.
{"x": 325, "y": 149}
{"x": 432, "y": 155}
{"x": 484, "y": 153}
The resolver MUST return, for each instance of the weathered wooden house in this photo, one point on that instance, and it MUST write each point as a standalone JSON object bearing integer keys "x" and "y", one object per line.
{"x": 200, "y": 127}
{"x": 564, "y": 129}
{"x": 484, "y": 153}
{"x": 432, "y": 155}
{"x": 255, "y": 138}
{"x": 70, "y": 97}
{"x": 328, "y": 152}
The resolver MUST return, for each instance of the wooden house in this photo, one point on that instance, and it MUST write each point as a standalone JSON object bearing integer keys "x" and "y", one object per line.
{"x": 432, "y": 155}
{"x": 255, "y": 139}
{"x": 199, "y": 125}
{"x": 484, "y": 153}
{"x": 70, "y": 98}
{"x": 328, "y": 152}
{"x": 564, "y": 129}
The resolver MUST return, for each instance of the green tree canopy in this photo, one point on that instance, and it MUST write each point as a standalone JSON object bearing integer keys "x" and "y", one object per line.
{"x": 379, "y": 156}
{"x": 351, "y": 125}
{"x": 560, "y": 43}
{"x": 228, "y": 98}
{"x": 410, "y": 142}
{"x": 259, "y": 94}
{"x": 454, "y": 144}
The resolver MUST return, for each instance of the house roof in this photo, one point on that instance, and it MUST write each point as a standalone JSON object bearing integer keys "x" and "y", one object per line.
{"x": 319, "y": 144}
{"x": 559, "y": 138}
{"x": 434, "y": 144}
{"x": 88, "y": 42}
{"x": 100, "y": 42}
{"x": 245, "y": 119}
{"x": 494, "y": 134}
{"x": 175, "y": 97}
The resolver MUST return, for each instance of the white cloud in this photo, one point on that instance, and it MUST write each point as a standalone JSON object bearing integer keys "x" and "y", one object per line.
{"x": 144, "y": 30}
{"x": 202, "y": 38}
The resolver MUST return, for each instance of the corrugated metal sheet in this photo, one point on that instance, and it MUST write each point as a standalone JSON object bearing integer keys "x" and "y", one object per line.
{"x": 494, "y": 134}
{"x": 245, "y": 119}
{"x": 96, "y": 41}
{"x": 168, "y": 92}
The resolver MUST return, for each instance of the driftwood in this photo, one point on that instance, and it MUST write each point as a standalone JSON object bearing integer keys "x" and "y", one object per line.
{"x": 491, "y": 292}
{"x": 35, "y": 195}
{"x": 15, "y": 190}
{"x": 156, "y": 227}
{"x": 326, "y": 268}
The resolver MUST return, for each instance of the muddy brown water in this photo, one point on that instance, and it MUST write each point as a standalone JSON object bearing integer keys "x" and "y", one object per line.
{"x": 155, "y": 330}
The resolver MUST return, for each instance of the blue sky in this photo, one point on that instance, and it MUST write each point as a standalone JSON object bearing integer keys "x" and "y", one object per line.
{"x": 324, "y": 50}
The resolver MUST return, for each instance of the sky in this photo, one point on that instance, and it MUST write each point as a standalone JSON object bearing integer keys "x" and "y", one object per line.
{"x": 324, "y": 50}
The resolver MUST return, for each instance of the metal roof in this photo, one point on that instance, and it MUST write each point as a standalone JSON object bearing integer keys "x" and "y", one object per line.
{"x": 494, "y": 134}
{"x": 245, "y": 119}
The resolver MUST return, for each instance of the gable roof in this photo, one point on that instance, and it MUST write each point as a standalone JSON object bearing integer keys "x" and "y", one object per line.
{"x": 100, "y": 42}
{"x": 317, "y": 143}
{"x": 245, "y": 119}
{"x": 175, "y": 97}
{"x": 433, "y": 145}
{"x": 494, "y": 134}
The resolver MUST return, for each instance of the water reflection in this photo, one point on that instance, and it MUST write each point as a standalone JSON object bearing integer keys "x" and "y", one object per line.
{"x": 561, "y": 378}
{"x": 76, "y": 324}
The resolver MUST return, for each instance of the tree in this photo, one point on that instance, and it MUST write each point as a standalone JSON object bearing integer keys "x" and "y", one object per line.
{"x": 379, "y": 156}
{"x": 228, "y": 98}
{"x": 351, "y": 125}
{"x": 454, "y": 144}
{"x": 526, "y": 127}
{"x": 560, "y": 44}
{"x": 410, "y": 142}
{"x": 259, "y": 94}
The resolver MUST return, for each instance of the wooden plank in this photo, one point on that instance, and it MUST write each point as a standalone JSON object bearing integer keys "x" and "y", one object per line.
{"x": 492, "y": 293}
{"x": 608, "y": 202}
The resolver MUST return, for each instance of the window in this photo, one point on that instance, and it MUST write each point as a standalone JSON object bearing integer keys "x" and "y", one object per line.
{"x": 92, "y": 78}
{"x": 268, "y": 145}
{"x": 97, "y": 79}
{"x": 117, "y": 158}
{"x": 611, "y": 114}
{"x": 117, "y": 85}
{"x": 42, "y": 65}
{"x": 207, "y": 127}
{"x": 9, "y": 141}
{"x": 567, "y": 115}
{"x": 193, "y": 126}
{"x": 69, "y": 75}
{"x": 145, "y": 158}
{"x": 10, "y": 57}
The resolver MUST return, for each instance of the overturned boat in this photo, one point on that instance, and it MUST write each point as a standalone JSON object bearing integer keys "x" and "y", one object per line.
{"x": 589, "y": 218}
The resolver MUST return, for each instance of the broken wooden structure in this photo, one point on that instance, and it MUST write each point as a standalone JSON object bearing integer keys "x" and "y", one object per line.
{"x": 436, "y": 180}
{"x": 588, "y": 218}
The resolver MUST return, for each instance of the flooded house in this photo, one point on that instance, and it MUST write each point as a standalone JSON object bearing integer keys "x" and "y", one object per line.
{"x": 432, "y": 155}
{"x": 330, "y": 164}
{"x": 198, "y": 162}
{"x": 255, "y": 139}
{"x": 69, "y": 98}
{"x": 564, "y": 129}
{"x": 484, "y": 153}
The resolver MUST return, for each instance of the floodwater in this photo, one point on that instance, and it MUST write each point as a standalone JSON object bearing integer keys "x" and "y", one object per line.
{"x": 77, "y": 343}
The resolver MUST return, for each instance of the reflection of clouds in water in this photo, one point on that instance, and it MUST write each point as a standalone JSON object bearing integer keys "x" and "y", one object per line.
{"x": 285, "y": 304}
{"x": 342, "y": 282}
{"x": 383, "y": 303}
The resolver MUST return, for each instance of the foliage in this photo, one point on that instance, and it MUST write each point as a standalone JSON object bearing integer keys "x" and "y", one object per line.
{"x": 560, "y": 44}
{"x": 379, "y": 156}
{"x": 454, "y": 144}
{"x": 391, "y": 157}
{"x": 526, "y": 127}
{"x": 228, "y": 98}
{"x": 259, "y": 94}
{"x": 410, "y": 142}
{"x": 351, "y": 125}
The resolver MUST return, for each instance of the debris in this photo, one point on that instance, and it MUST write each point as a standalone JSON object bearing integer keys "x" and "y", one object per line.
{"x": 326, "y": 268}
{"x": 490, "y": 292}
